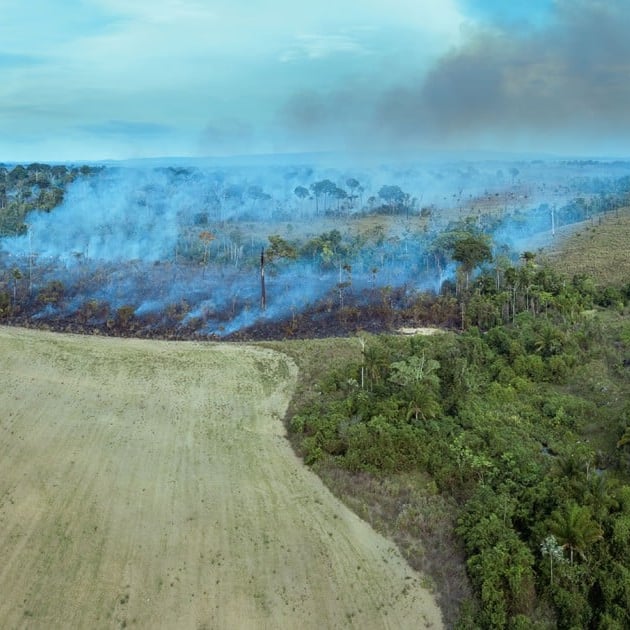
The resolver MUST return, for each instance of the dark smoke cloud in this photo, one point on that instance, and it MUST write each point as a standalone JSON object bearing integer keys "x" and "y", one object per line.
{"x": 561, "y": 86}
{"x": 574, "y": 72}
{"x": 319, "y": 121}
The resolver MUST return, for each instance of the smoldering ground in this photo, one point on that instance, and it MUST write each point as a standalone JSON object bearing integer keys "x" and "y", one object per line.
{"x": 180, "y": 246}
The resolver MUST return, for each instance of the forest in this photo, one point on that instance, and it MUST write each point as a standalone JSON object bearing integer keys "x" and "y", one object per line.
{"x": 175, "y": 251}
{"x": 498, "y": 457}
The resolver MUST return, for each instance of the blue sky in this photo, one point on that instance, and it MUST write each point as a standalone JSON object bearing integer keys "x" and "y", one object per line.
{"x": 100, "y": 79}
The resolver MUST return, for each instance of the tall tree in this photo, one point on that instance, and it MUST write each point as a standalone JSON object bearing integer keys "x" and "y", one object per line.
{"x": 323, "y": 190}
{"x": 301, "y": 193}
{"x": 575, "y": 529}
{"x": 393, "y": 196}
{"x": 471, "y": 251}
{"x": 353, "y": 184}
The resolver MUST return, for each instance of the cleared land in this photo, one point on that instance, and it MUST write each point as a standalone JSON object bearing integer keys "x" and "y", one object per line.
{"x": 599, "y": 249}
{"x": 150, "y": 484}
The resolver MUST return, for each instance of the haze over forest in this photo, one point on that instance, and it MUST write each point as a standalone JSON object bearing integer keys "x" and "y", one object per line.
{"x": 181, "y": 250}
{"x": 223, "y": 125}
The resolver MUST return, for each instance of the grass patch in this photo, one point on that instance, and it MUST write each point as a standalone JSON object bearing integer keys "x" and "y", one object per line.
{"x": 599, "y": 249}
{"x": 407, "y": 509}
{"x": 315, "y": 359}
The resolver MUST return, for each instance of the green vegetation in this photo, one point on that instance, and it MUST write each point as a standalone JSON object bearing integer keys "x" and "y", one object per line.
{"x": 33, "y": 187}
{"x": 504, "y": 449}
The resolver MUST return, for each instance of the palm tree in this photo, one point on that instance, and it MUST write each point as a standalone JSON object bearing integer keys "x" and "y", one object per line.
{"x": 418, "y": 379}
{"x": 423, "y": 404}
{"x": 376, "y": 363}
{"x": 551, "y": 548}
{"x": 574, "y": 528}
{"x": 549, "y": 341}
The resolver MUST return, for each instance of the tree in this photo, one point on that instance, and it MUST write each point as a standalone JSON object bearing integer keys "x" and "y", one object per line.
{"x": 500, "y": 564}
{"x": 49, "y": 198}
{"x": 324, "y": 188}
{"x": 234, "y": 194}
{"x": 471, "y": 251}
{"x": 417, "y": 376}
{"x": 575, "y": 529}
{"x": 376, "y": 359}
{"x": 256, "y": 194}
{"x": 325, "y": 247}
{"x": 393, "y": 196}
{"x": 301, "y": 193}
{"x": 339, "y": 194}
{"x": 353, "y": 184}
{"x": 16, "y": 175}
{"x": 550, "y": 341}
{"x": 550, "y": 547}
{"x": 528, "y": 257}
{"x": 280, "y": 248}
{"x": 415, "y": 370}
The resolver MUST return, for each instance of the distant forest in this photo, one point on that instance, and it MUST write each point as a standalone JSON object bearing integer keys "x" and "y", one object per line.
{"x": 33, "y": 187}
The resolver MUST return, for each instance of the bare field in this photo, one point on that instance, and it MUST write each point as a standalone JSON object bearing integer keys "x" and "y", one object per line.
{"x": 150, "y": 484}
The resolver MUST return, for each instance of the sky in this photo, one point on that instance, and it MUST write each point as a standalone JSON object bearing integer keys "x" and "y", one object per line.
{"x": 116, "y": 79}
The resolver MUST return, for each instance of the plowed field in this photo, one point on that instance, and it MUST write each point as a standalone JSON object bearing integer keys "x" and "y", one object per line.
{"x": 149, "y": 484}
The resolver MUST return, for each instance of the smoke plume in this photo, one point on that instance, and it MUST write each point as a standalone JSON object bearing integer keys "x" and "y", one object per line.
{"x": 558, "y": 87}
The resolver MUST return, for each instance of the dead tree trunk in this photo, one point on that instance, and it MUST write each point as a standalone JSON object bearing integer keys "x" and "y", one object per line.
{"x": 263, "y": 294}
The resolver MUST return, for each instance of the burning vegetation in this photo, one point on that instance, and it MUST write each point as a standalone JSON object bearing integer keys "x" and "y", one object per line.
{"x": 244, "y": 252}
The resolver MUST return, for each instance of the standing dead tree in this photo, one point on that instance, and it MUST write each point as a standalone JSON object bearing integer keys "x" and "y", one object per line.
{"x": 263, "y": 292}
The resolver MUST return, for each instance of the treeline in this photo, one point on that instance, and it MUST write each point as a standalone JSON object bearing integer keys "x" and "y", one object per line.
{"x": 33, "y": 187}
{"x": 524, "y": 424}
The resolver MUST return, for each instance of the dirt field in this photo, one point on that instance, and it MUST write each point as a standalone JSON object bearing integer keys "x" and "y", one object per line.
{"x": 149, "y": 484}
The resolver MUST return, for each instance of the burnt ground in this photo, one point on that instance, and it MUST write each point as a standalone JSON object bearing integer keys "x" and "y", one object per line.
{"x": 326, "y": 318}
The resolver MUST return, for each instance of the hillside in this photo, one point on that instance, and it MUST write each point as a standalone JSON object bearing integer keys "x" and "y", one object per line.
{"x": 599, "y": 249}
